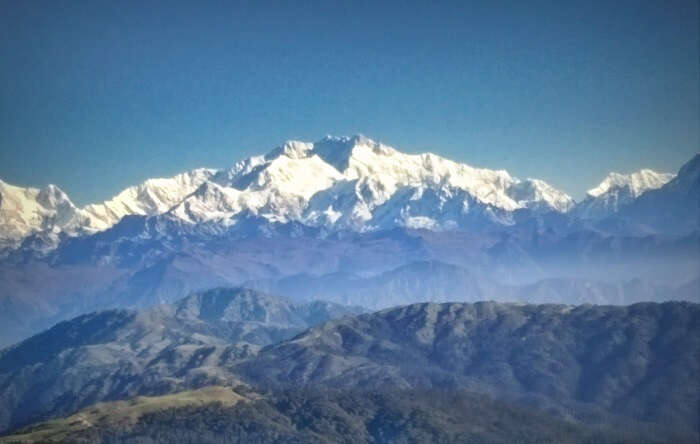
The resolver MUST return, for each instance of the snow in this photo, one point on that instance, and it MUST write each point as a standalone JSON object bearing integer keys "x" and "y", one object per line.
{"x": 617, "y": 190}
{"x": 535, "y": 193}
{"x": 636, "y": 183}
{"x": 24, "y": 211}
{"x": 338, "y": 183}
{"x": 154, "y": 196}
{"x": 352, "y": 183}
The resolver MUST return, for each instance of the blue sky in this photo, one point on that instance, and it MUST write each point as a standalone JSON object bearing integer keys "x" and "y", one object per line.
{"x": 96, "y": 96}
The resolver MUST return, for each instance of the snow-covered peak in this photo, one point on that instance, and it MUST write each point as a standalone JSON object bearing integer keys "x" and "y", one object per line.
{"x": 302, "y": 169}
{"x": 209, "y": 202}
{"x": 394, "y": 169}
{"x": 52, "y": 197}
{"x": 277, "y": 186}
{"x": 617, "y": 190}
{"x": 359, "y": 157}
{"x": 535, "y": 193}
{"x": 636, "y": 183}
{"x": 338, "y": 182}
{"x": 24, "y": 211}
{"x": 357, "y": 183}
{"x": 154, "y": 196}
{"x": 337, "y": 151}
{"x": 688, "y": 176}
{"x": 292, "y": 149}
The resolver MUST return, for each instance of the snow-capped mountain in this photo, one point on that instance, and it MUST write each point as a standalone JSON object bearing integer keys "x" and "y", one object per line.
{"x": 672, "y": 208}
{"x": 338, "y": 183}
{"x": 271, "y": 217}
{"x": 617, "y": 190}
{"x": 538, "y": 194}
{"x": 45, "y": 214}
{"x": 359, "y": 184}
{"x": 24, "y": 211}
{"x": 154, "y": 196}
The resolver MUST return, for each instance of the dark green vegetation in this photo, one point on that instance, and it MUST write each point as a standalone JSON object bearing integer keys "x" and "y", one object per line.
{"x": 588, "y": 362}
{"x": 117, "y": 354}
{"x": 407, "y": 416}
{"x": 581, "y": 371}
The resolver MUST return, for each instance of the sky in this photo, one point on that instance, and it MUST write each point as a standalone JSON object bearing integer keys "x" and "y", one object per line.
{"x": 96, "y": 96}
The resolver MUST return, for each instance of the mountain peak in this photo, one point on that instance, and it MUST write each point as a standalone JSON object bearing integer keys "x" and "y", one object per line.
{"x": 536, "y": 193}
{"x": 334, "y": 150}
{"x": 25, "y": 211}
{"x": 337, "y": 150}
{"x": 293, "y": 149}
{"x": 339, "y": 182}
{"x": 349, "y": 176}
{"x": 618, "y": 190}
{"x": 153, "y": 196}
{"x": 52, "y": 196}
{"x": 352, "y": 140}
{"x": 636, "y": 183}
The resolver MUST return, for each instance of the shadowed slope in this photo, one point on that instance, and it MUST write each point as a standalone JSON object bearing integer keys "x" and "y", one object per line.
{"x": 640, "y": 361}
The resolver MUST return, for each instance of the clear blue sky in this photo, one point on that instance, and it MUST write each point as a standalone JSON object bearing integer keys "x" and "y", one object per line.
{"x": 95, "y": 96}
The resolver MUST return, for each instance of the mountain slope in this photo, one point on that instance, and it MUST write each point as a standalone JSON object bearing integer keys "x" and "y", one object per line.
{"x": 342, "y": 206}
{"x": 633, "y": 367}
{"x": 117, "y": 353}
{"x": 672, "y": 208}
{"x": 24, "y": 211}
{"x": 154, "y": 196}
{"x": 145, "y": 261}
{"x": 48, "y": 214}
{"x": 123, "y": 414}
{"x": 639, "y": 361}
{"x": 218, "y": 414}
{"x": 617, "y": 190}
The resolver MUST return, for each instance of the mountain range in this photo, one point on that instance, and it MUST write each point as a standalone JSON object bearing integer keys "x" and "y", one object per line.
{"x": 580, "y": 368}
{"x": 350, "y": 220}
{"x": 337, "y": 183}
{"x": 577, "y": 361}
{"x": 120, "y": 353}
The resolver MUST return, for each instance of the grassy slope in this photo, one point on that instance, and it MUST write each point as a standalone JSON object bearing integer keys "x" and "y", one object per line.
{"x": 122, "y": 414}
{"x": 216, "y": 414}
